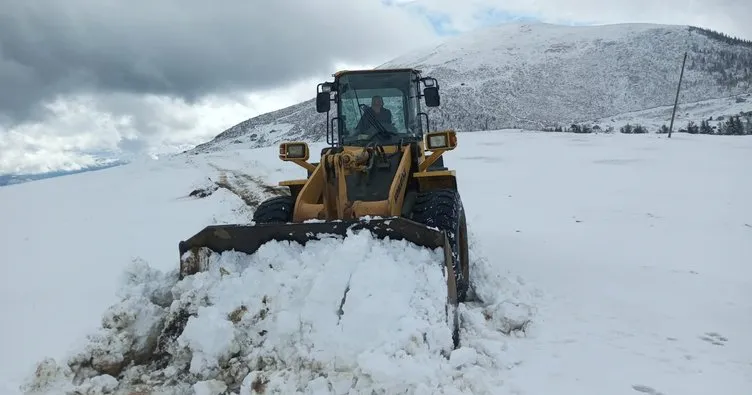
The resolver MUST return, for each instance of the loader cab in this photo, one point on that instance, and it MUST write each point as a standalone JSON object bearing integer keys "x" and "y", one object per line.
{"x": 400, "y": 90}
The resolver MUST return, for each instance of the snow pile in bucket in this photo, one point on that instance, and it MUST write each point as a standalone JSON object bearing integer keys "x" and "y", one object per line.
{"x": 338, "y": 316}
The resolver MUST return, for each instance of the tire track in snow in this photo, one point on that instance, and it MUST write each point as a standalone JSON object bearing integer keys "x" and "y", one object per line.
{"x": 252, "y": 190}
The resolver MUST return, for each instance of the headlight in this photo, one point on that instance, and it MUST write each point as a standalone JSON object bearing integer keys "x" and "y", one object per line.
{"x": 437, "y": 141}
{"x": 443, "y": 140}
{"x": 295, "y": 151}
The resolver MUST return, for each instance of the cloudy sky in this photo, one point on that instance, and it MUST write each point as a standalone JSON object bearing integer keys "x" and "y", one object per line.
{"x": 87, "y": 79}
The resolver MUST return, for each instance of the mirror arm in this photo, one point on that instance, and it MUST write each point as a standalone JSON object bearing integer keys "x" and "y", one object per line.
{"x": 305, "y": 164}
{"x": 333, "y": 131}
{"x": 428, "y": 128}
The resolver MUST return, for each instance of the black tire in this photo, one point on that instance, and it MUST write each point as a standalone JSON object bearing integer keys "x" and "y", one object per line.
{"x": 274, "y": 210}
{"x": 442, "y": 208}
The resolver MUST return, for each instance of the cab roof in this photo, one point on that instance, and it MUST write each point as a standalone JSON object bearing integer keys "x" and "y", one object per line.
{"x": 371, "y": 71}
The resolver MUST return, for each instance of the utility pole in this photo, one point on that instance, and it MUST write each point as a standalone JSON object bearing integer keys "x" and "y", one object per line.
{"x": 676, "y": 100}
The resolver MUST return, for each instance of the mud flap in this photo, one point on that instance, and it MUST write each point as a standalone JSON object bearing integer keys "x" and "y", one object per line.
{"x": 249, "y": 238}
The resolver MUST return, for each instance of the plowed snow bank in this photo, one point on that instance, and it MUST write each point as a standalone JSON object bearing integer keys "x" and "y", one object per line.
{"x": 334, "y": 316}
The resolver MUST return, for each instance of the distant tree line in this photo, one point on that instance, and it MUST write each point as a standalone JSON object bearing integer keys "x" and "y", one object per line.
{"x": 633, "y": 129}
{"x": 735, "y": 125}
{"x": 721, "y": 36}
{"x": 587, "y": 128}
{"x": 730, "y": 66}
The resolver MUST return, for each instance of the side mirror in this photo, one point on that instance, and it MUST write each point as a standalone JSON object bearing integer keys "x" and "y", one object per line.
{"x": 294, "y": 151}
{"x": 444, "y": 140}
{"x": 323, "y": 102}
{"x": 431, "y": 94}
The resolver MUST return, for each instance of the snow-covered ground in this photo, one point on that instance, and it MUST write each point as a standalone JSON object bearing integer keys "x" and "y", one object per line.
{"x": 626, "y": 257}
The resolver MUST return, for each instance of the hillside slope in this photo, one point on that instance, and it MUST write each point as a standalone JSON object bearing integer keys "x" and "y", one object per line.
{"x": 537, "y": 75}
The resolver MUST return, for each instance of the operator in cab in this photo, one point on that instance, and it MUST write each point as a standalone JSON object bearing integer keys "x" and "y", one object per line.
{"x": 381, "y": 114}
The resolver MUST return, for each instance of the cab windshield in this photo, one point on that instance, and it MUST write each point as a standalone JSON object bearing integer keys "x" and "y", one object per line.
{"x": 375, "y": 107}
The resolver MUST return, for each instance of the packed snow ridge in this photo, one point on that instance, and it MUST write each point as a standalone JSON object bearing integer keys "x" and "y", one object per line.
{"x": 532, "y": 76}
{"x": 336, "y": 316}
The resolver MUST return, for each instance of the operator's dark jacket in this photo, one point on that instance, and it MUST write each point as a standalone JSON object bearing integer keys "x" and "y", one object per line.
{"x": 384, "y": 117}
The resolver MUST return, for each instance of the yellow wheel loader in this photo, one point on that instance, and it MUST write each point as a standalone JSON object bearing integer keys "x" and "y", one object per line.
{"x": 375, "y": 175}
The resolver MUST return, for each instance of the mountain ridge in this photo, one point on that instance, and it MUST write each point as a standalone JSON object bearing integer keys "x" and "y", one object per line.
{"x": 539, "y": 75}
{"x": 20, "y": 178}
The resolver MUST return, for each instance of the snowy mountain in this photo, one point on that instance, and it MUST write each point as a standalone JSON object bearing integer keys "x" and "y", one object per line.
{"x": 540, "y": 75}
{"x": 10, "y": 179}
{"x": 603, "y": 263}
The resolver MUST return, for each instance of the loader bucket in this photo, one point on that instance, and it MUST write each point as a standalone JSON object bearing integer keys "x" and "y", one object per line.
{"x": 248, "y": 238}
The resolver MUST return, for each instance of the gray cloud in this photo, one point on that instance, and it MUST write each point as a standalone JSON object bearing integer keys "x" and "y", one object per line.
{"x": 186, "y": 48}
{"x": 143, "y": 77}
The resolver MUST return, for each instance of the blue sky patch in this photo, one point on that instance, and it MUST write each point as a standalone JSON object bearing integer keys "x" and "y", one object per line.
{"x": 484, "y": 17}
{"x": 493, "y": 16}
